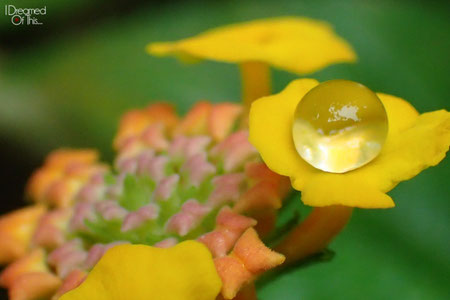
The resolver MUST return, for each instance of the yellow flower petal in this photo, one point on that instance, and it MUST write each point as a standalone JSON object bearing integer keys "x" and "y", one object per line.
{"x": 271, "y": 129}
{"x": 414, "y": 143}
{"x": 299, "y": 45}
{"x": 140, "y": 272}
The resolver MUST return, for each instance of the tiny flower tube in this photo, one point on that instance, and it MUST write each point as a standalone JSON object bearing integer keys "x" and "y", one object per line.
{"x": 249, "y": 258}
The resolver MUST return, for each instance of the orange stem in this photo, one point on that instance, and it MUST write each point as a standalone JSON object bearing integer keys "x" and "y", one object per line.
{"x": 256, "y": 82}
{"x": 246, "y": 293}
{"x": 314, "y": 233}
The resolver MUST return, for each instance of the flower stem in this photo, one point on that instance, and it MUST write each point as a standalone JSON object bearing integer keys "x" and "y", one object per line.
{"x": 248, "y": 292}
{"x": 314, "y": 233}
{"x": 256, "y": 81}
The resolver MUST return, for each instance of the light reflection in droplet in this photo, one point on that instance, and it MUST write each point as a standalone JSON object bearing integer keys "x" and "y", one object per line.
{"x": 339, "y": 126}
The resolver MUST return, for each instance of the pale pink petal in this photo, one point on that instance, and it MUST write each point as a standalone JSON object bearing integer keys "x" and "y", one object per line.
{"x": 181, "y": 223}
{"x": 194, "y": 208}
{"x": 50, "y": 231}
{"x": 97, "y": 251}
{"x": 135, "y": 219}
{"x": 83, "y": 211}
{"x": 196, "y": 145}
{"x": 198, "y": 168}
{"x": 233, "y": 221}
{"x": 153, "y": 136}
{"x": 149, "y": 211}
{"x": 167, "y": 243}
{"x": 156, "y": 167}
{"x": 183, "y": 147}
{"x": 166, "y": 187}
{"x": 67, "y": 258}
{"x": 216, "y": 242}
{"x": 90, "y": 192}
{"x": 227, "y": 188}
{"x": 176, "y": 148}
{"x": 110, "y": 210}
{"x": 144, "y": 159}
{"x": 127, "y": 165}
{"x": 94, "y": 255}
{"x": 235, "y": 150}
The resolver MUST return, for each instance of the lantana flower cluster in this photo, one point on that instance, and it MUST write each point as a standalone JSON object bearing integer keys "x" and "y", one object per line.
{"x": 195, "y": 178}
{"x": 182, "y": 211}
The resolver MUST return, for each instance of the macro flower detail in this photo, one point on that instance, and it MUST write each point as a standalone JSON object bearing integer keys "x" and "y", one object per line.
{"x": 403, "y": 156}
{"x": 16, "y": 232}
{"x": 175, "y": 180}
{"x": 64, "y": 172}
{"x": 279, "y": 42}
{"x": 201, "y": 206}
{"x": 298, "y": 45}
{"x": 339, "y": 126}
{"x": 184, "y": 271}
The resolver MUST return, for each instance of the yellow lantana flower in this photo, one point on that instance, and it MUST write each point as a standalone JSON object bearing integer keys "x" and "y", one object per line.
{"x": 414, "y": 142}
{"x": 299, "y": 45}
{"x": 294, "y": 44}
{"x": 141, "y": 272}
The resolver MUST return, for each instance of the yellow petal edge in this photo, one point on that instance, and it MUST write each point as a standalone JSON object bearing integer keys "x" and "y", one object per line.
{"x": 414, "y": 143}
{"x": 139, "y": 272}
{"x": 295, "y": 44}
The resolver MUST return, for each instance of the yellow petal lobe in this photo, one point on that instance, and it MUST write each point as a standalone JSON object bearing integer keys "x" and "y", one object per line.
{"x": 139, "y": 272}
{"x": 414, "y": 143}
{"x": 270, "y": 126}
{"x": 295, "y": 44}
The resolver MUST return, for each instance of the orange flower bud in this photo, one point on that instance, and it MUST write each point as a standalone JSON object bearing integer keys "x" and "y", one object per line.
{"x": 16, "y": 229}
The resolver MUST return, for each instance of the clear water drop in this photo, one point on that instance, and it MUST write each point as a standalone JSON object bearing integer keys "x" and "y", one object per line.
{"x": 339, "y": 126}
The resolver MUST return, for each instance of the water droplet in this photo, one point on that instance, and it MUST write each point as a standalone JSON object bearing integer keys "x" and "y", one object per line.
{"x": 339, "y": 126}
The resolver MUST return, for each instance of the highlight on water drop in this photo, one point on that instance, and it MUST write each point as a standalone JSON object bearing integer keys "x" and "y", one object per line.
{"x": 339, "y": 126}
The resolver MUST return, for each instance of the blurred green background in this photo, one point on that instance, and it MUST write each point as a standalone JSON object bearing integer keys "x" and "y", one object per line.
{"x": 67, "y": 82}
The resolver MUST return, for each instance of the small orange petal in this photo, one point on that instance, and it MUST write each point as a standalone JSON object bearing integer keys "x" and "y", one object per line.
{"x": 61, "y": 193}
{"x": 233, "y": 274}
{"x": 154, "y": 137}
{"x": 259, "y": 171}
{"x": 256, "y": 257}
{"x": 163, "y": 112}
{"x": 40, "y": 181}
{"x": 16, "y": 229}
{"x": 131, "y": 124}
{"x": 60, "y": 165}
{"x": 73, "y": 280}
{"x": 196, "y": 120}
{"x": 32, "y": 262}
{"x": 34, "y": 286}
{"x": 249, "y": 258}
{"x": 229, "y": 228}
{"x": 62, "y": 158}
{"x": 263, "y": 195}
{"x": 235, "y": 151}
{"x": 50, "y": 231}
{"x": 134, "y": 122}
{"x": 222, "y": 118}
